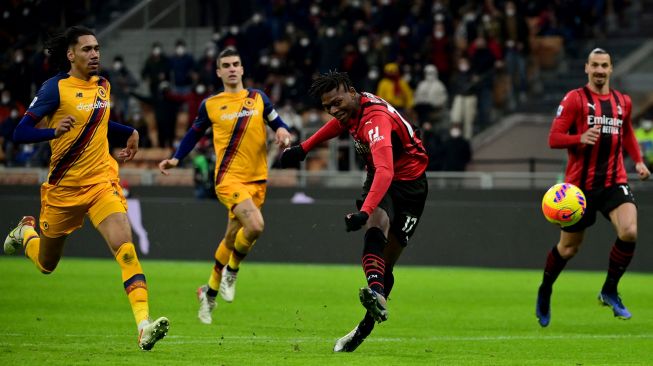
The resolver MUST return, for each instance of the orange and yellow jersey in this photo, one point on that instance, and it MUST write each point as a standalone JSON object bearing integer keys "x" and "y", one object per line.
{"x": 239, "y": 123}
{"x": 80, "y": 156}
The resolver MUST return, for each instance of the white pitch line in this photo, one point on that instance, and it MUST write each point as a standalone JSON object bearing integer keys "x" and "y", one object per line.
{"x": 183, "y": 339}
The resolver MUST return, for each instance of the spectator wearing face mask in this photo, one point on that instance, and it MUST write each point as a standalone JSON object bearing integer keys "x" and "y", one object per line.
{"x": 463, "y": 108}
{"x": 19, "y": 74}
{"x": 183, "y": 68}
{"x": 430, "y": 96}
{"x": 122, "y": 84}
{"x": 457, "y": 152}
{"x": 439, "y": 50}
{"x": 156, "y": 69}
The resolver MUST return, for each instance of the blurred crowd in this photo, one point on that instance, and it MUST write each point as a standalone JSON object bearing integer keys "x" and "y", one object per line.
{"x": 451, "y": 67}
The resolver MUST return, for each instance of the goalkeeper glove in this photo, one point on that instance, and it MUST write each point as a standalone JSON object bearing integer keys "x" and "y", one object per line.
{"x": 355, "y": 221}
{"x": 291, "y": 156}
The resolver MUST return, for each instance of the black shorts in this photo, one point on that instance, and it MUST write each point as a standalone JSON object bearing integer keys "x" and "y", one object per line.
{"x": 604, "y": 200}
{"x": 404, "y": 203}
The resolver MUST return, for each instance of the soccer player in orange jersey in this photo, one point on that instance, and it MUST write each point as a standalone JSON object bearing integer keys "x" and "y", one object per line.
{"x": 83, "y": 177}
{"x": 238, "y": 117}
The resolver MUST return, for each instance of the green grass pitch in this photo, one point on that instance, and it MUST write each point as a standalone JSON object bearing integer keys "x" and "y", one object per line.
{"x": 292, "y": 314}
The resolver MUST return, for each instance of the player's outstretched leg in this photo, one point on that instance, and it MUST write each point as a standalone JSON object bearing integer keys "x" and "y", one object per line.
{"x": 207, "y": 304}
{"x": 151, "y": 332}
{"x": 543, "y": 306}
{"x": 614, "y": 302}
{"x": 374, "y": 303}
{"x": 353, "y": 339}
{"x": 14, "y": 239}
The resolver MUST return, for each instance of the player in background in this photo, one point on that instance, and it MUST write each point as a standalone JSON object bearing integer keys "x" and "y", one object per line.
{"x": 594, "y": 124}
{"x": 238, "y": 117}
{"x": 83, "y": 177}
{"x": 394, "y": 192}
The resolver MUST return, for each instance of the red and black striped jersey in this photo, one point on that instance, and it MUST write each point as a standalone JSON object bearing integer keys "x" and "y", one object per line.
{"x": 602, "y": 164}
{"x": 384, "y": 139}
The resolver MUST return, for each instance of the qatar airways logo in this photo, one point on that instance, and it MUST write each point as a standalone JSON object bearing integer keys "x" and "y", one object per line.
{"x": 608, "y": 125}
{"x": 243, "y": 113}
{"x": 89, "y": 106}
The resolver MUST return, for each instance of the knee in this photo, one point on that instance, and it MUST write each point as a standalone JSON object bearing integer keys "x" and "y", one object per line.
{"x": 252, "y": 232}
{"x": 628, "y": 233}
{"x": 568, "y": 251}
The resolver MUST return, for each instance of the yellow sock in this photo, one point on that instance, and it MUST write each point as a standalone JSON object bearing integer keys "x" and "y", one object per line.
{"x": 134, "y": 281}
{"x": 241, "y": 247}
{"x": 32, "y": 243}
{"x": 222, "y": 255}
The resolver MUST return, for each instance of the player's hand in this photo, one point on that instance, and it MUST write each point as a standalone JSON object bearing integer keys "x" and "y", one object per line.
{"x": 131, "y": 149}
{"x": 167, "y": 164}
{"x": 292, "y": 155}
{"x": 64, "y": 125}
{"x": 590, "y": 136}
{"x": 642, "y": 171}
{"x": 355, "y": 221}
{"x": 282, "y": 137}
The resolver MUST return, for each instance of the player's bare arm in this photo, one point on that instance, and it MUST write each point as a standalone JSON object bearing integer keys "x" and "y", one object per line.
{"x": 590, "y": 136}
{"x": 131, "y": 149}
{"x": 64, "y": 125}
{"x": 168, "y": 164}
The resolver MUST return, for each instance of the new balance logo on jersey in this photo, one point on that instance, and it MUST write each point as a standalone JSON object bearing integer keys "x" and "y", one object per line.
{"x": 243, "y": 113}
{"x": 79, "y": 95}
{"x": 98, "y": 104}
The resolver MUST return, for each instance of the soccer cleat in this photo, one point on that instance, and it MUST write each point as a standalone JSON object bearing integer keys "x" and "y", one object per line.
{"x": 349, "y": 342}
{"x": 614, "y": 302}
{"x": 543, "y": 307}
{"x": 374, "y": 303}
{"x": 207, "y": 304}
{"x": 152, "y": 332}
{"x": 228, "y": 285}
{"x": 15, "y": 238}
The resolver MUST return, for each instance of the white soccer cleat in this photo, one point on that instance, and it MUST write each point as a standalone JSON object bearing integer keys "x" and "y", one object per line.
{"x": 14, "y": 240}
{"x": 228, "y": 285}
{"x": 207, "y": 304}
{"x": 349, "y": 342}
{"x": 151, "y": 332}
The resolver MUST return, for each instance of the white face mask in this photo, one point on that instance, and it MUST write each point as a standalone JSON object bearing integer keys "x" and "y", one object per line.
{"x": 5, "y": 99}
{"x": 363, "y": 48}
{"x": 200, "y": 89}
{"x": 304, "y": 42}
{"x": 290, "y": 81}
{"x": 647, "y": 124}
{"x": 156, "y": 51}
{"x": 463, "y": 67}
{"x": 210, "y": 52}
{"x": 386, "y": 40}
{"x": 373, "y": 74}
{"x": 234, "y": 29}
{"x": 455, "y": 132}
{"x": 180, "y": 50}
{"x": 438, "y": 34}
{"x": 13, "y": 114}
{"x": 510, "y": 12}
{"x": 330, "y": 32}
{"x": 117, "y": 65}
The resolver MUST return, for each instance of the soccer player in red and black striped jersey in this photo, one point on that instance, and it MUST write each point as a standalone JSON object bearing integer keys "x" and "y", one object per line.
{"x": 394, "y": 192}
{"x": 594, "y": 124}
{"x": 83, "y": 178}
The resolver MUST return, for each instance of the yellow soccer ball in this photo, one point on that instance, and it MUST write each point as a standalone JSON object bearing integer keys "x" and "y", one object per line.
{"x": 564, "y": 204}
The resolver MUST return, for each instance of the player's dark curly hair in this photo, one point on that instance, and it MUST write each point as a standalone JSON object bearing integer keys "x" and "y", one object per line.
{"x": 58, "y": 45}
{"x": 324, "y": 83}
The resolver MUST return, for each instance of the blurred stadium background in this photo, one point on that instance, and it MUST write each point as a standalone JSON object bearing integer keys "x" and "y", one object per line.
{"x": 494, "y": 70}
